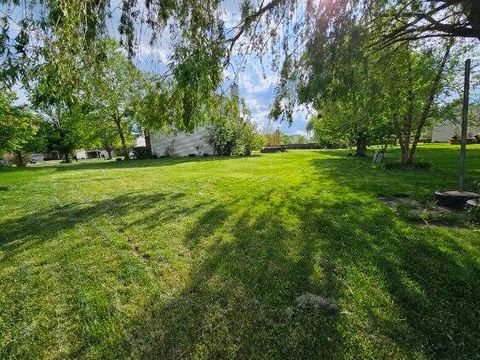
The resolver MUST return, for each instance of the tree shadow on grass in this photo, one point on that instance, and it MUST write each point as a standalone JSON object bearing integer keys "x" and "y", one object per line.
{"x": 363, "y": 176}
{"x": 17, "y": 235}
{"x": 132, "y": 164}
{"x": 444, "y": 161}
{"x": 399, "y": 292}
{"x": 240, "y": 299}
{"x": 432, "y": 275}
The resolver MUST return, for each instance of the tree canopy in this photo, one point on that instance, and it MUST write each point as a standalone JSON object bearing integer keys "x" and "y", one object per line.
{"x": 55, "y": 48}
{"x": 18, "y": 127}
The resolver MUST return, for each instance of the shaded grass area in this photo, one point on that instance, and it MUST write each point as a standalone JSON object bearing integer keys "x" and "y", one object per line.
{"x": 205, "y": 258}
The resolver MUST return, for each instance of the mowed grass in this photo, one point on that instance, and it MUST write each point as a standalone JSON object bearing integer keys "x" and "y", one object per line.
{"x": 204, "y": 258}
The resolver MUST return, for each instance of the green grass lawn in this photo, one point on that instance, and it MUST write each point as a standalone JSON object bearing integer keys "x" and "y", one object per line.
{"x": 205, "y": 258}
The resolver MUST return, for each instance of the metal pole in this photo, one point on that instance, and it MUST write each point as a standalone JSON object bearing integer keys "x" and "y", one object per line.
{"x": 463, "y": 146}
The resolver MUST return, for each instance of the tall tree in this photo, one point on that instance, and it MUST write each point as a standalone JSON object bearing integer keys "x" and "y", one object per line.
{"x": 157, "y": 108}
{"x": 402, "y": 21}
{"x": 202, "y": 43}
{"x": 198, "y": 26}
{"x": 18, "y": 129}
{"x": 340, "y": 80}
{"x": 56, "y": 91}
{"x": 412, "y": 84}
{"x": 114, "y": 87}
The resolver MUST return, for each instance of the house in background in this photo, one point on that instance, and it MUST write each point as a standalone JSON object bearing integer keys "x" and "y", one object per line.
{"x": 37, "y": 157}
{"x": 444, "y": 132}
{"x": 92, "y": 154}
{"x": 140, "y": 141}
{"x": 181, "y": 143}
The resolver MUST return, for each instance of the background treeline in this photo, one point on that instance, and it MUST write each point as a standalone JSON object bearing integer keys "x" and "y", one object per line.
{"x": 365, "y": 92}
{"x": 370, "y": 70}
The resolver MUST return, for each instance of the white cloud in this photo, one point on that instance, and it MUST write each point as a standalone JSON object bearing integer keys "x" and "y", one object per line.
{"x": 256, "y": 80}
{"x": 153, "y": 52}
{"x": 231, "y": 18}
{"x": 255, "y": 104}
{"x": 260, "y": 118}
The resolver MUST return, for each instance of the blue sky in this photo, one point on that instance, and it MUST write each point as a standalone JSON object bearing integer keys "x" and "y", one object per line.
{"x": 256, "y": 85}
{"x": 256, "y": 82}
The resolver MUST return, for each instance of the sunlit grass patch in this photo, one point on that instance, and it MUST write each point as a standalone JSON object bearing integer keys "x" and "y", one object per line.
{"x": 179, "y": 258}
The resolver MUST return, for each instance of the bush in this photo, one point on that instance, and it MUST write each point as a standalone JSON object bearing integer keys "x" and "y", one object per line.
{"x": 397, "y": 165}
{"x": 249, "y": 139}
{"x": 19, "y": 159}
{"x": 233, "y": 137}
{"x": 222, "y": 137}
{"x": 142, "y": 152}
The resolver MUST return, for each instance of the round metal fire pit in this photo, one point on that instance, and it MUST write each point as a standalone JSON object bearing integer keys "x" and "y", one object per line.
{"x": 455, "y": 199}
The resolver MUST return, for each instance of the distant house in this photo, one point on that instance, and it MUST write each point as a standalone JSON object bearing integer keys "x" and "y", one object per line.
{"x": 450, "y": 128}
{"x": 181, "y": 143}
{"x": 139, "y": 141}
{"x": 443, "y": 133}
{"x": 80, "y": 154}
{"x": 37, "y": 157}
{"x": 51, "y": 155}
{"x": 91, "y": 154}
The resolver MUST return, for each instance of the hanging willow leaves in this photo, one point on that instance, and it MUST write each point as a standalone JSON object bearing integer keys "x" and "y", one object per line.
{"x": 62, "y": 32}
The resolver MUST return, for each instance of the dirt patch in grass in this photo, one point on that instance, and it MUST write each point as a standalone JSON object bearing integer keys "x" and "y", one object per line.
{"x": 311, "y": 301}
{"x": 423, "y": 214}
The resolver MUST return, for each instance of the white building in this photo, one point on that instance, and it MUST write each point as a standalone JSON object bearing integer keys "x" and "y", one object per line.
{"x": 91, "y": 154}
{"x": 444, "y": 133}
{"x": 181, "y": 143}
{"x": 451, "y": 127}
{"x": 37, "y": 157}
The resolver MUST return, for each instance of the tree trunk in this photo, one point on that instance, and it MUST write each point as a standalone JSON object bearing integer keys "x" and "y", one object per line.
{"x": 122, "y": 137}
{"x": 428, "y": 105}
{"x": 20, "y": 161}
{"x": 109, "y": 152}
{"x": 361, "y": 145}
{"x": 148, "y": 142}
{"x": 404, "y": 147}
{"x": 66, "y": 156}
{"x": 408, "y": 120}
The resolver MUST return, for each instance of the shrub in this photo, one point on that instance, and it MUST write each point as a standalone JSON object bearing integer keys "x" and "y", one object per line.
{"x": 19, "y": 159}
{"x": 397, "y": 165}
{"x": 142, "y": 152}
{"x": 233, "y": 137}
{"x": 249, "y": 139}
{"x": 222, "y": 137}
